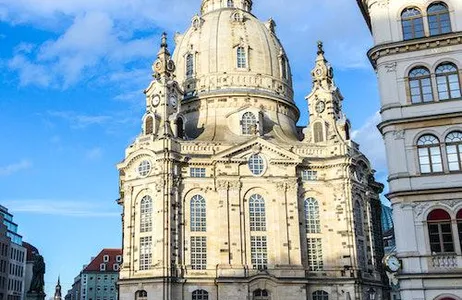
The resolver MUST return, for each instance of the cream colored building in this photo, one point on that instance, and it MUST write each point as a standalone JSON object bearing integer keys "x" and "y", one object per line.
{"x": 418, "y": 58}
{"x": 224, "y": 197}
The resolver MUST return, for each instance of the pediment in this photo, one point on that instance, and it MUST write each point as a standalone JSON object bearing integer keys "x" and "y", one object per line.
{"x": 274, "y": 153}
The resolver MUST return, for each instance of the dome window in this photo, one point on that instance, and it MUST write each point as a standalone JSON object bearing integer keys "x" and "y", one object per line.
{"x": 256, "y": 164}
{"x": 230, "y": 4}
{"x": 249, "y": 124}
{"x": 237, "y": 17}
{"x": 149, "y": 125}
{"x": 189, "y": 65}
{"x": 241, "y": 58}
{"x": 283, "y": 68}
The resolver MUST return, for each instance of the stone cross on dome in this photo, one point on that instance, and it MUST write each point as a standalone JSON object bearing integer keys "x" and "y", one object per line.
{"x": 211, "y": 5}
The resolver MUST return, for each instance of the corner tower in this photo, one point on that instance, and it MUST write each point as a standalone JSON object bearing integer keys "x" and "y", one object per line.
{"x": 417, "y": 55}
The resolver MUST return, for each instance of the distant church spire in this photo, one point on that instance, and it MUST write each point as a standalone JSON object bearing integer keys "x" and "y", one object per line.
{"x": 323, "y": 74}
{"x": 58, "y": 295}
{"x": 211, "y": 5}
{"x": 164, "y": 65}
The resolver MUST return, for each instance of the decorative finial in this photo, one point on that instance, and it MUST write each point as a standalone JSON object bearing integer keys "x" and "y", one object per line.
{"x": 320, "y": 48}
{"x": 164, "y": 40}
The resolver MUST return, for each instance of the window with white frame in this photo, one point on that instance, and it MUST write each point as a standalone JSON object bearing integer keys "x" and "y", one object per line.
{"x": 428, "y": 147}
{"x": 241, "y": 58}
{"x": 313, "y": 224}
{"x": 447, "y": 79}
{"x": 249, "y": 123}
{"x": 200, "y": 295}
{"x": 145, "y": 253}
{"x": 144, "y": 168}
{"x": 454, "y": 150}
{"x": 440, "y": 231}
{"x": 259, "y": 252}
{"x": 102, "y": 267}
{"x": 309, "y": 175}
{"x": 198, "y": 210}
{"x": 116, "y": 267}
{"x": 106, "y": 258}
{"x": 256, "y": 164}
{"x": 197, "y": 172}
{"x": 439, "y": 21}
{"x": 119, "y": 258}
{"x": 320, "y": 295}
{"x": 198, "y": 252}
{"x": 315, "y": 259}
{"x": 146, "y": 214}
{"x": 257, "y": 213}
{"x": 189, "y": 65}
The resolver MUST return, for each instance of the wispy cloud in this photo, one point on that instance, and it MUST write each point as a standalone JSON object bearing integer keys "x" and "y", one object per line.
{"x": 94, "y": 153}
{"x": 78, "y": 209}
{"x": 15, "y": 167}
{"x": 81, "y": 121}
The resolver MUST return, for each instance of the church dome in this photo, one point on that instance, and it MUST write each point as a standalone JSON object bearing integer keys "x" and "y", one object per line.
{"x": 228, "y": 47}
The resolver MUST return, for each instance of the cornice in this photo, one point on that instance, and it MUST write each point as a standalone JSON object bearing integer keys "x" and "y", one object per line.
{"x": 381, "y": 126}
{"x": 432, "y": 42}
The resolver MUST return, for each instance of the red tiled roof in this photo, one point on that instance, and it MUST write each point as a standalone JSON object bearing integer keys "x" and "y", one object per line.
{"x": 95, "y": 264}
{"x": 31, "y": 251}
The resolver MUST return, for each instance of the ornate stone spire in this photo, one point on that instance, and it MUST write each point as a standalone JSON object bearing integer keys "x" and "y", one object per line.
{"x": 164, "y": 65}
{"x": 323, "y": 74}
{"x": 58, "y": 295}
{"x": 211, "y": 5}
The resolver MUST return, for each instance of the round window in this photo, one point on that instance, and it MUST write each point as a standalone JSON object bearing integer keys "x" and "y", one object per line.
{"x": 144, "y": 168}
{"x": 256, "y": 164}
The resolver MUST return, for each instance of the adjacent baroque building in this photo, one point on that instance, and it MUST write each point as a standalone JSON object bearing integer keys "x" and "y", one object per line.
{"x": 224, "y": 197}
{"x": 418, "y": 58}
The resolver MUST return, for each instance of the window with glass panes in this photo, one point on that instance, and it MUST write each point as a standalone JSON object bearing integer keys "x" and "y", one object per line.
{"x": 420, "y": 85}
{"x": 241, "y": 58}
{"x": 313, "y": 224}
{"x": 309, "y": 175}
{"x": 439, "y": 21}
{"x": 454, "y": 150}
{"x": 145, "y": 253}
{"x": 447, "y": 79}
{"x": 315, "y": 259}
{"x": 261, "y": 295}
{"x": 257, "y": 213}
{"x": 358, "y": 221}
{"x": 141, "y": 295}
{"x": 256, "y": 164}
{"x": 428, "y": 147}
{"x": 362, "y": 262}
{"x": 320, "y": 295}
{"x": 198, "y": 252}
{"x": 200, "y": 295}
{"x": 259, "y": 252}
{"x": 146, "y": 214}
{"x": 459, "y": 226}
{"x": 248, "y": 123}
{"x": 198, "y": 210}
{"x": 440, "y": 231}
{"x": 189, "y": 65}
{"x": 197, "y": 172}
{"x": 412, "y": 23}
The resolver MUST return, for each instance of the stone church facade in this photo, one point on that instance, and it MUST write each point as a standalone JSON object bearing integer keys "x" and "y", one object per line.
{"x": 417, "y": 55}
{"x": 224, "y": 197}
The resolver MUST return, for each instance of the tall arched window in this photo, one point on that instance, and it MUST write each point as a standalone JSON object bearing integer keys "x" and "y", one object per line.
{"x": 180, "y": 128}
{"x": 189, "y": 65}
{"x": 318, "y": 132}
{"x": 261, "y": 295}
{"x": 412, "y": 23}
{"x": 459, "y": 226}
{"x": 313, "y": 224}
{"x": 257, "y": 213}
{"x": 438, "y": 18}
{"x": 230, "y": 3}
{"x": 141, "y": 295}
{"x": 149, "y": 125}
{"x": 420, "y": 85}
{"x": 283, "y": 68}
{"x": 198, "y": 214}
{"x": 454, "y": 150}
{"x": 447, "y": 78}
{"x": 320, "y": 295}
{"x": 146, "y": 214}
{"x": 200, "y": 295}
{"x": 440, "y": 231}
{"x": 359, "y": 221}
{"x": 241, "y": 58}
{"x": 249, "y": 123}
{"x": 429, "y": 154}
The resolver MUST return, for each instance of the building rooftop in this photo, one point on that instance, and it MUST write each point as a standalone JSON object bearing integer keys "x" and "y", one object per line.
{"x": 108, "y": 260}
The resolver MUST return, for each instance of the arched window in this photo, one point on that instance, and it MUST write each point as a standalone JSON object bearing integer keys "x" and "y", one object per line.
{"x": 412, "y": 23}
{"x": 256, "y": 164}
{"x": 454, "y": 150}
{"x": 230, "y": 3}
{"x": 313, "y": 224}
{"x": 318, "y": 132}
{"x": 420, "y": 85}
{"x": 249, "y": 123}
{"x": 141, "y": 295}
{"x": 459, "y": 226}
{"x": 241, "y": 58}
{"x": 198, "y": 214}
{"x": 200, "y": 295}
{"x": 189, "y": 65}
{"x": 146, "y": 214}
{"x": 149, "y": 125}
{"x": 180, "y": 128}
{"x": 261, "y": 295}
{"x": 438, "y": 18}
{"x": 440, "y": 231}
{"x": 358, "y": 221}
{"x": 320, "y": 295}
{"x": 429, "y": 154}
{"x": 447, "y": 79}
{"x": 283, "y": 68}
{"x": 257, "y": 213}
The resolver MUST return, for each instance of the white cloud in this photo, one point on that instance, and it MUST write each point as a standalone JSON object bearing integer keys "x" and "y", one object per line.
{"x": 371, "y": 142}
{"x": 15, "y": 168}
{"x": 82, "y": 209}
{"x": 80, "y": 121}
{"x": 30, "y": 73}
{"x": 94, "y": 153}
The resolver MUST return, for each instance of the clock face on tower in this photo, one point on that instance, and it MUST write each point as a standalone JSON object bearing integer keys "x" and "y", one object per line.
{"x": 320, "y": 107}
{"x": 155, "y": 100}
{"x": 173, "y": 101}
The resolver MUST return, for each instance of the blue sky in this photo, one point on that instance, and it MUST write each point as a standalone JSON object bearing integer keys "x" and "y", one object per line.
{"x": 71, "y": 100}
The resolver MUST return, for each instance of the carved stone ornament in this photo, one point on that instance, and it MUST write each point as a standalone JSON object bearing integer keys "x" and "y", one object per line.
{"x": 383, "y": 3}
{"x": 288, "y": 185}
{"x": 453, "y": 203}
{"x": 391, "y": 67}
{"x": 419, "y": 208}
{"x": 399, "y": 134}
{"x": 222, "y": 185}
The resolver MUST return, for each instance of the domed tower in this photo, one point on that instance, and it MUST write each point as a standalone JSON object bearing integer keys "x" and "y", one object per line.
{"x": 231, "y": 65}
{"x": 223, "y": 198}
